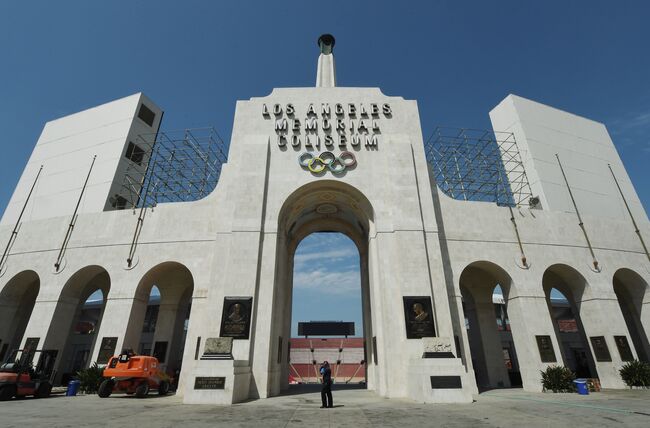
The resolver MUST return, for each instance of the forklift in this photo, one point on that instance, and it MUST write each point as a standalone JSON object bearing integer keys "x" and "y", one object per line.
{"x": 18, "y": 377}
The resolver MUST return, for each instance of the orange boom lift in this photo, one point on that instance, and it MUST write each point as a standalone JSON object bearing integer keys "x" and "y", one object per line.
{"x": 133, "y": 374}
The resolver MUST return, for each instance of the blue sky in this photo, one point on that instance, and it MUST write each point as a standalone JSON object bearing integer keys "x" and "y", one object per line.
{"x": 458, "y": 59}
{"x": 326, "y": 281}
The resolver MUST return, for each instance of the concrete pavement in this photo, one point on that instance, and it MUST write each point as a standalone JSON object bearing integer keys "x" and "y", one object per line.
{"x": 353, "y": 408}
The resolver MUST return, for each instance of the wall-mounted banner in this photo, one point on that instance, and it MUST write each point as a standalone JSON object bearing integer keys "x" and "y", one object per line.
{"x": 419, "y": 317}
{"x": 327, "y": 161}
{"x": 236, "y": 317}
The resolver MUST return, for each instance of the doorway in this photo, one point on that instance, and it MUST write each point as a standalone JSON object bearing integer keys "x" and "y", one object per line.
{"x": 321, "y": 211}
{"x": 327, "y": 299}
{"x": 564, "y": 288}
{"x": 484, "y": 288}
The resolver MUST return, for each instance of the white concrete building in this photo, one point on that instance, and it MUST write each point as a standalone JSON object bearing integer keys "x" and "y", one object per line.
{"x": 335, "y": 159}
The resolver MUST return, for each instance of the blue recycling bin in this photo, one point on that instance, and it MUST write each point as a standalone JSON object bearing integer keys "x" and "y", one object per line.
{"x": 73, "y": 388}
{"x": 581, "y": 386}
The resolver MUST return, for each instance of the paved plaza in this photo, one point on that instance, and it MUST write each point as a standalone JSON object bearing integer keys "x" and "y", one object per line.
{"x": 353, "y": 408}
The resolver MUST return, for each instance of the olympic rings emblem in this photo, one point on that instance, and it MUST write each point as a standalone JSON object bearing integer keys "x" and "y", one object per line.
{"x": 318, "y": 164}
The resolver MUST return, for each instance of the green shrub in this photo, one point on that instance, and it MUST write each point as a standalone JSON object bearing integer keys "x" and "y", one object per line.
{"x": 636, "y": 373}
{"x": 558, "y": 379}
{"x": 90, "y": 378}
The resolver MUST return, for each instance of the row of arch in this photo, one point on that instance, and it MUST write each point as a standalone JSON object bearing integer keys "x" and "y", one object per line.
{"x": 492, "y": 340}
{"x": 157, "y": 322}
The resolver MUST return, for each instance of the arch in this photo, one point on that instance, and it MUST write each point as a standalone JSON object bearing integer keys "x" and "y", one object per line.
{"x": 306, "y": 211}
{"x": 565, "y": 314}
{"x": 166, "y": 276}
{"x": 490, "y": 340}
{"x": 159, "y": 327}
{"x": 17, "y": 299}
{"x": 319, "y": 206}
{"x": 633, "y": 295}
{"x": 67, "y": 333}
{"x": 567, "y": 280}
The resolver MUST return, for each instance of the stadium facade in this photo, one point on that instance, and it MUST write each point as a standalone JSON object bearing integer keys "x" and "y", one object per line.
{"x": 541, "y": 205}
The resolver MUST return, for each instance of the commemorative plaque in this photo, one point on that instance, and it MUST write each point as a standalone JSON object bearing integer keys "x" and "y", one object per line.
{"x": 623, "y": 348}
{"x": 31, "y": 345}
{"x": 545, "y": 346}
{"x": 437, "y": 347}
{"x": 446, "y": 382}
{"x": 209, "y": 382}
{"x": 218, "y": 345}
{"x": 601, "y": 352}
{"x": 419, "y": 317}
{"x": 236, "y": 317}
{"x": 106, "y": 350}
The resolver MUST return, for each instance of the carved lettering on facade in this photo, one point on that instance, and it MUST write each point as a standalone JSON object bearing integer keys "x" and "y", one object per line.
{"x": 355, "y": 124}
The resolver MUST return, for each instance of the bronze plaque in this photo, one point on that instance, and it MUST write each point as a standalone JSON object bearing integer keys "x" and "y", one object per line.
{"x": 545, "y": 346}
{"x": 623, "y": 348}
{"x": 601, "y": 352}
{"x": 419, "y": 317}
{"x": 209, "y": 382}
{"x": 236, "y": 317}
{"x": 106, "y": 350}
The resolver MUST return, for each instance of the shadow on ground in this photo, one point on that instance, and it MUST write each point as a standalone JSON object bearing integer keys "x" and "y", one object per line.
{"x": 305, "y": 388}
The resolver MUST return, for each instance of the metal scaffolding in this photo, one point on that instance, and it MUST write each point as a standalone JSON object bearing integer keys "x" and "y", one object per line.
{"x": 478, "y": 165}
{"x": 175, "y": 166}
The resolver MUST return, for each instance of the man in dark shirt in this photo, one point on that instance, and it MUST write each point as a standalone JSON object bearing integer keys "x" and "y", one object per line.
{"x": 326, "y": 392}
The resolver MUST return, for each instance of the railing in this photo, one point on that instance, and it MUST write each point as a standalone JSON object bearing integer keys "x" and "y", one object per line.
{"x": 476, "y": 165}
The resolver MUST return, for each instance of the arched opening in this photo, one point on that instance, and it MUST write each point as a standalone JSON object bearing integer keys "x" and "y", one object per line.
{"x": 76, "y": 320}
{"x": 632, "y": 291}
{"x": 322, "y": 207}
{"x": 327, "y": 286}
{"x": 565, "y": 288}
{"x": 484, "y": 288}
{"x": 160, "y": 315}
{"x": 17, "y": 300}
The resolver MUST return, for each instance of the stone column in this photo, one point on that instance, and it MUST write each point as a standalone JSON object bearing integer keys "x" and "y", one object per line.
{"x": 8, "y": 324}
{"x": 269, "y": 314}
{"x": 492, "y": 351}
{"x": 644, "y": 319}
{"x": 601, "y": 316}
{"x": 123, "y": 318}
{"x": 529, "y": 317}
{"x": 165, "y": 326}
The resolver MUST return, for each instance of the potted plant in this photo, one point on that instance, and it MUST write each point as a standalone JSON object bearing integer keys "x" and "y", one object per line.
{"x": 636, "y": 374}
{"x": 558, "y": 379}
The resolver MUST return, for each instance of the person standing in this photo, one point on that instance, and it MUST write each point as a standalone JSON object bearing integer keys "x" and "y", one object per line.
{"x": 326, "y": 392}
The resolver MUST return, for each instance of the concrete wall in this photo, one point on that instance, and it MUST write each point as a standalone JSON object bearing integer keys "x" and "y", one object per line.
{"x": 66, "y": 148}
{"x": 585, "y": 149}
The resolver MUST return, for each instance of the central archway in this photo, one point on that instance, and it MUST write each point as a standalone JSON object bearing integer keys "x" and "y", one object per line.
{"x": 323, "y": 206}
